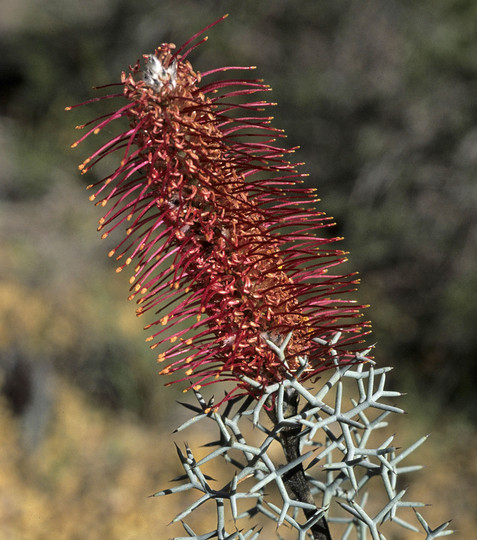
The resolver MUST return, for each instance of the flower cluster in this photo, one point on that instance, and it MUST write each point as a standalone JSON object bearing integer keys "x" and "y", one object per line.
{"x": 219, "y": 233}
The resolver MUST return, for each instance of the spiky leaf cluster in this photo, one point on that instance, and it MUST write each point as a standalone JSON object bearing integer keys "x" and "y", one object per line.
{"x": 345, "y": 458}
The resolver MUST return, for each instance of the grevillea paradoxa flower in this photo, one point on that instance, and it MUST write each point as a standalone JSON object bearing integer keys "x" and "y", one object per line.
{"x": 222, "y": 238}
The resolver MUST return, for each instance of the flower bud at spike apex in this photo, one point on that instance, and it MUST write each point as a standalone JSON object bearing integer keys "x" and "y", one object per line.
{"x": 222, "y": 239}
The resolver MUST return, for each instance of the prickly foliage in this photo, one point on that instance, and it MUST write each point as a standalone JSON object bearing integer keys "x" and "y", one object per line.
{"x": 345, "y": 457}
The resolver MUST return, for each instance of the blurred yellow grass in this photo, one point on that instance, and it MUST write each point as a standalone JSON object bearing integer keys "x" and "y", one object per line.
{"x": 89, "y": 480}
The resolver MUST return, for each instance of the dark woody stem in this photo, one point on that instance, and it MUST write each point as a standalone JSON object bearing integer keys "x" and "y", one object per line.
{"x": 295, "y": 479}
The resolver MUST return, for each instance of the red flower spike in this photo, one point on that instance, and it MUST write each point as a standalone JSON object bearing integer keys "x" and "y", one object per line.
{"x": 220, "y": 236}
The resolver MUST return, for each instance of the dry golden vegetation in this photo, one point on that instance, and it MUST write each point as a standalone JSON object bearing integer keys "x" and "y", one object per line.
{"x": 88, "y": 480}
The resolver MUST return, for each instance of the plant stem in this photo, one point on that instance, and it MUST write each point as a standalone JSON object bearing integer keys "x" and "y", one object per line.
{"x": 295, "y": 479}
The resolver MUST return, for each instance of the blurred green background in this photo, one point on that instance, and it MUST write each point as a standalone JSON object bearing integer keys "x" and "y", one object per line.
{"x": 381, "y": 96}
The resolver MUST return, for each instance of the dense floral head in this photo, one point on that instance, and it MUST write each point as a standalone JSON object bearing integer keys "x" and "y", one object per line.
{"x": 222, "y": 240}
